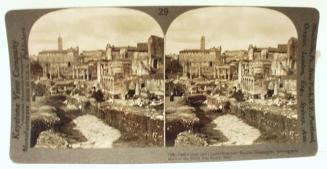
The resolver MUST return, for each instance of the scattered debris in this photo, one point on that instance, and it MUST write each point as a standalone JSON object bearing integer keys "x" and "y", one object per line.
{"x": 51, "y": 139}
{"x": 189, "y": 138}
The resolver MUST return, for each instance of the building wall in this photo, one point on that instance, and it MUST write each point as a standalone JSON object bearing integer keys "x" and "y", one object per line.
{"x": 212, "y": 55}
{"x": 155, "y": 86}
{"x": 140, "y": 64}
{"x": 279, "y": 65}
{"x": 155, "y": 51}
{"x": 234, "y": 55}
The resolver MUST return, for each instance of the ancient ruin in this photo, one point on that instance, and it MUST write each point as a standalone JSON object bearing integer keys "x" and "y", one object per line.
{"x": 122, "y": 86}
{"x": 211, "y": 92}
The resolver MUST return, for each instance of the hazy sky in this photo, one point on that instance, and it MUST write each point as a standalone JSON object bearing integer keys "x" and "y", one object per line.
{"x": 230, "y": 28}
{"x": 92, "y": 28}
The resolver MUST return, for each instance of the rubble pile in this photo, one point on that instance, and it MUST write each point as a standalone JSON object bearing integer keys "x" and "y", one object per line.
{"x": 43, "y": 118}
{"x": 76, "y": 103}
{"x": 278, "y": 124}
{"x": 51, "y": 139}
{"x": 188, "y": 138}
{"x": 217, "y": 102}
{"x": 179, "y": 119}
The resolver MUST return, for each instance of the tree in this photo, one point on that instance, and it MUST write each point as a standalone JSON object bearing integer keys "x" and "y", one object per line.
{"x": 36, "y": 68}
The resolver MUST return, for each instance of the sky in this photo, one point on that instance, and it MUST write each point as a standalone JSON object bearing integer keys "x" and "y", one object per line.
{"x": 232, "y": 28}
{"x": 92, "y": 28}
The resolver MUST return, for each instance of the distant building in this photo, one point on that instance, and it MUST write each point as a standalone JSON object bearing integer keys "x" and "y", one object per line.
{"x": 234, "y": 56}
{"x": 58, "y": 62}
{"x": 156, "y": 51}
{"x": 200, "y": 62}
{"x": 269, "y": 68}
{"x": 141, "y": 63}
{"x": 123, "y": 52}
{"x": 87, "y": 56}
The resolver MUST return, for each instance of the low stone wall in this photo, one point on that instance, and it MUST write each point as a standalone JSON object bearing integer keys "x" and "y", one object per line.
{"x": 133, "y": 124}
{"x": 277, "y": 128}
{"x": 276, "y": 124}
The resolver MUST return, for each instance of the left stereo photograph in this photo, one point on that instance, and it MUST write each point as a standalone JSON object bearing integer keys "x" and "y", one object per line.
{"x": 97, "y": 79}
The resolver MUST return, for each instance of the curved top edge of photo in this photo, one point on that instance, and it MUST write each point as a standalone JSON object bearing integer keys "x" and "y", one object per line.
{"x": 92, "y": 28}
{"x": 231, "y": 28}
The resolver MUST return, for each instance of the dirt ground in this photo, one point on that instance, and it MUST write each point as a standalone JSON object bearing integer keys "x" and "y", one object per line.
{"x": 97, "y": 133}
{"x": 235, "y": 130}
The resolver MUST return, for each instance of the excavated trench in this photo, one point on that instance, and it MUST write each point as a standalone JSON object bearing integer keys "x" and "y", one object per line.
{"x": 260, "y": 125}
{"x": 207, "y": 126}
{"x": 135, "y": 129}
{"x": 63, "y": 126}
{"x": 174, "y": 127}
{"x": 140, "y": 130}
{"x": 195, "y": 132}
{"x": 191, "y": 126}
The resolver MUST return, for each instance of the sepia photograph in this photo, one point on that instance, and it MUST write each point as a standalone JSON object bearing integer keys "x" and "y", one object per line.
{"x": 97, "y": 79}
{"x": 161, "y": 84}
{"x": 231, "y": 78}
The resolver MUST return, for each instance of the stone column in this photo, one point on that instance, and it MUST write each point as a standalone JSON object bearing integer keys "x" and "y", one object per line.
{"x": 58, "y": 72}
{"x": 98, "y": 72}
{"x": 43, "y": 71}
{"x": 137, "y": 88}
{"x": 229, "y": 74}
{"x": 73, "y": 71}
{"x": 77, "y": 73}
{"x": 214, "y": 72}
{"x": 46, "y": 71}
{"x": 253, "y": 86}
{"x": 183, "y": 69}
{"x": 87, "y": 74}
{"x": 239, "y": 71}
{"x": 247, "y": 85}
{"x": 276, "y": 84}
{"x": 113, "y": 88}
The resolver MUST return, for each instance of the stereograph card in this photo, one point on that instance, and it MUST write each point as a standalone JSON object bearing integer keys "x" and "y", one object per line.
{"x": 162, "y": 84}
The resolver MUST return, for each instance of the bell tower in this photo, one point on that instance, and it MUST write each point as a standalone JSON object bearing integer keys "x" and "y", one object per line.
{"x": 59, "y": 43}
{"x": 203, "y": 41}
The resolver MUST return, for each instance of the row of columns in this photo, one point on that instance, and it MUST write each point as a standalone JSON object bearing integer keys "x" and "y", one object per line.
{"x": 220, "y": 73}
{"x": 108, "y": 83}
{"x": 83, "y": 73}
{"x": 248, "y": 84}
{"x": 51, "y": 72}
{"x": 188, "y": 69}
{"x": 78, "y": 73}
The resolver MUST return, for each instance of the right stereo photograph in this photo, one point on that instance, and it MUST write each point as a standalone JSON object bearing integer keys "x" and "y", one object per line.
{"x": 230, "y": 78}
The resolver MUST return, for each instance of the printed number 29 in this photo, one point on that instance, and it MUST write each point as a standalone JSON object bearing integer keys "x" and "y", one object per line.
{"x": 163, "y": 11}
